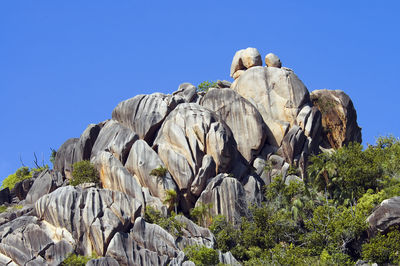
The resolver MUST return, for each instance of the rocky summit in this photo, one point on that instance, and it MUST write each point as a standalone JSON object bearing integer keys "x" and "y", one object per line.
{"x": 165, "y": 153}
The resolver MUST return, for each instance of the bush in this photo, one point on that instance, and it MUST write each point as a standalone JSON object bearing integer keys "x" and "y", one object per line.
{"x": 169, "y": 223}
{"x": 202, "y": 255}
{"x": 383, "y": 248}
{"x": 76, "y": 260}
{"x": 3, "y": 208}
{"x": 205, "y": 85}
{"x": 84, "y": 172}
{"x": 159, "y": 171}
{"x": 20, "y": 175}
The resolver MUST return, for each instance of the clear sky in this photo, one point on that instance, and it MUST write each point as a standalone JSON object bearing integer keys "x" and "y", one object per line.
{"x": 65, "y": 64}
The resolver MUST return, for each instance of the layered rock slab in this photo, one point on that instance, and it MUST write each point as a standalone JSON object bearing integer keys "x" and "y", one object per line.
{"x": 246, "y": 123}
{"x": 385, "y": 215}
{"x": 188, "y": 134}
{"x": 91, "y": 215}
{"x": 339, "y": 118}
{"x": 277, "y": 93}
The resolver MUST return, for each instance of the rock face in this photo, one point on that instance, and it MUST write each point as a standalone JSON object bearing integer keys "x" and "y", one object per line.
{"x": 143, "y": 114}
{"x": 227, "y": 196}
{"x": 339, "y": 118}
{"x": 246, "y": 123}
{"x": 91, "y": 215}
{"x": 217, "y": 147}
{"x": 277, "y": 93}
{"x": 141, "y": 161}
{"x": 188, "y": 134}
{"x": 384, "y": 216}
{"x": 115, "y": 138}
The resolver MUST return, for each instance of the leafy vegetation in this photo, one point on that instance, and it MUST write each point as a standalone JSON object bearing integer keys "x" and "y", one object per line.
{"x": 321, "y": 221}
{"x": 77, "y": 260}
{"x": 169, "y": 223}
{"x": 171, "y": 200}
{"x": 3, "y": 208}
{"x": 202, "y": 255}
{"x": 159, "y": 171}
{"x": 201, "y": 214}
{"x": 205, "y": 85}
{"x": 84, "y": 172}
{"x": 20, "y": 175}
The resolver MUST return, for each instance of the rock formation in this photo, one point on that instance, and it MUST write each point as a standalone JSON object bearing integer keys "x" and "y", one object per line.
{"x": 216, "y": 148}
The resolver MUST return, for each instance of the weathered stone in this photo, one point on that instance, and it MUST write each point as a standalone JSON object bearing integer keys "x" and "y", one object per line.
{"x": 206, "y": 171}
{"x": 339, "y": 118}
{"x": 143, "y": 114}
{"x": 187, "y": 135}
{"x": 277, "y": 93}
{"x": 126, "y": 251}
{"x": 141, "y": 161}
{"x": 91, "y": 215}
{"x": 115, "y": 138}
{"x": 65, "y": 158}
{"x": 186, "y": 93}
{"x": 237, "y": 74}
{"x": 293, "y": 145}
{"x": 246, "y": 123}
{"x": 22, "y": 188}
{"x": 272, "y": 60}
{"x": 83, "y": 148}
{"x": 58, "y": 252}
{"x": 227, "y": 196}
{"x": 104, "y": 261}
{"x": 244, "y": 59}
{"x": 114, "y": 176}
{"x": 47, "y": 182}
{"x": 385, "y": 215}
{"x": 13, "y": 213}
{"x": 223, "y": 84}
{"x": 253, "y": 188}
{"x": 192, "y": 234}
{"x": 5, "y": 196}
{"x": 227, "y": 258}
{"x": 237, "y": 63}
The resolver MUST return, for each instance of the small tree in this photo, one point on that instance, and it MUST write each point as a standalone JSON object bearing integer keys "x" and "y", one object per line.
{"x": 171, "y": 199}
{"x": 202, "y": 255}
{"x": 205, "y": 85}
{"x": 84, "y": 172}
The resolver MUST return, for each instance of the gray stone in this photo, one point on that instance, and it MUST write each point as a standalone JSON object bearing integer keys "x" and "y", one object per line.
{"x": 105, "y": 261}
{"x": 192, "y": 234}
{"x": 246, "y": 123}
{"x": 227, "y": 196}
{"x": 114, "y": 176}
{"x": 223, "y": 84}
{"x": 272, "y": 60}
{"x": 91, "y": 215}
{"x": 385, "y": 215}
{"x": 143, "y": 114}
{"x": 5, "y": 196}
{"x": 244, "y": 59}
{"x": 65, "y": 158}
{"x": 206, "y": 171}
{"x": 141, "y": 161}
{"x": 83, "y": 148}
{"x": 116, "y": 139}
{"x": 277, "y": 93}
{"x": 188, "y": 134}
{"x": 293, "y": 144}
{"x": 227, "y": 258}
{"x": 186, "y": 93}
{"x": 22, "y": 188}
{"x": 47, "y": 182}
{"x": 253, "y": 188}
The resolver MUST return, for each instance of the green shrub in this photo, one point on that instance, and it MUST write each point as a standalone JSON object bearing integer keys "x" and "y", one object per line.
{"x": 159, "y": 171}
{"x": 84, "y": 172}
{"x": 383, "y": 249}
{"x": 20, "y": 175}
{"x": 3, "y": 208}
{"x": 77, "y": 260}
{"x": 202, "y": 214}
{"x": 202, "y": 255}
{"x": 205, "y": 85}
{"x": 169, "y": 223}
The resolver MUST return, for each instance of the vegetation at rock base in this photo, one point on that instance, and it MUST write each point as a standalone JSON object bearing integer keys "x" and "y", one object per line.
{"x": 202, "y": 255}
{"x": 169, "y": 222}
{"x": 201, "y": 214}
{"x": 21, "y": 174}
{"x": 84, "y": 172}
{"x": 77, "y": 260}
{"x": 3, "y": 208}
{"x": 323, "y": 220}
{"x": 205, "y": 85}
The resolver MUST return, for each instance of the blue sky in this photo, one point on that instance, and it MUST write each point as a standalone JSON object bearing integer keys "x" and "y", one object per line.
{"x": 66, "y": 64}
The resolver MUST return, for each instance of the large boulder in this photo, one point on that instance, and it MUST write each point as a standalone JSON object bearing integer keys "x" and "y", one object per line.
{"x": 65, "y": 158}
{"x": 83, "y": 148}
{"x": 141, "y": 161}
{"x": 91, "y": 215}
{"x": 385, "y": 215}
{"x": 339, "y": 118}
{"x": 144, "y": 114}
{"x": 27, "y": 239}
{"x": 115, "y": 138}
{"x": 47, "y": 182}
{"x": 244, "y": 59}
{"x": 226, "y": 196}
{"x": 277, "y": 93}
{"x": 246, "y": 123}
{"x": 114, "y": 176}
{"x": 189, "y": 133}
{"x": 192, "y": 234}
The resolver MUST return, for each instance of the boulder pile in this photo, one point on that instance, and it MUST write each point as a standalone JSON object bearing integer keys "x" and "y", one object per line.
{"x": 216, "y": 148}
